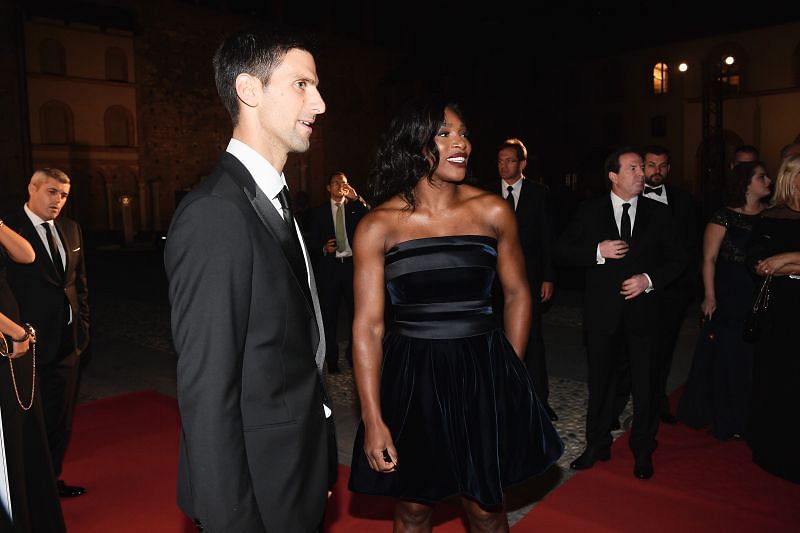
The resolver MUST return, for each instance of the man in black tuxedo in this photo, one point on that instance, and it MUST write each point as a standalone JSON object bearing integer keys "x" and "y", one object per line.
{"x": 331, "y": 227}
{"x": 256, "y": 453}
{"x": 630, "y": 251}
{"x": 531, "y": 204}
{"x": 53, "y": 297}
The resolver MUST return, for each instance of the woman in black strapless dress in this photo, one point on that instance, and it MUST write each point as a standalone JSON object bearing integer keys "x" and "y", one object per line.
{"x": 447, "y": 406}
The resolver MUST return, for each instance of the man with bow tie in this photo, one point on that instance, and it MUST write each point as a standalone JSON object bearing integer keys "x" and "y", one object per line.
{"x": 331, "y": 228}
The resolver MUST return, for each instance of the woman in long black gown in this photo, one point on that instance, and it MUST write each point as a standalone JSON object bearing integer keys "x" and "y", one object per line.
{"x": 34, "y": 503}
{"x": 774, "y": 434}
{"x": 447, "y": 406}
{"x": 718, "y": 388}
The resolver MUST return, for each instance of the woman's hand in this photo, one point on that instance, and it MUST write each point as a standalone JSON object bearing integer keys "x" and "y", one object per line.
{"x": 771, "y": 265}
{"x": 708, "y": 306}
{"x": 378, "y": 446}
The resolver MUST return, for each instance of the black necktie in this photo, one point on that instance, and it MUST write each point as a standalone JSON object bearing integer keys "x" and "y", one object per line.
{"x": 288, "y": 218}
{"x": 510, "y": 197}
{"x": 55, "y": 254}
{"x": 655, "y": 190}
{"x": 625, "y": 224}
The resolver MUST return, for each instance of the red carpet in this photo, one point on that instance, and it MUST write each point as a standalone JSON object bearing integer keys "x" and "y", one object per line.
{"x": 700, "y": 484}
{"x": 124, "y": 450}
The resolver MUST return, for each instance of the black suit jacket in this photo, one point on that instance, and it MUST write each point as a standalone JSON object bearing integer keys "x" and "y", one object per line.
{"x": 534, "y": 219}
{"x": 654, "y": 250}
{"x": 43, "y": 296}
{"x": 321, "y": 228}
{"x": 684, "y": 218}
{"x": 254, "y": 443}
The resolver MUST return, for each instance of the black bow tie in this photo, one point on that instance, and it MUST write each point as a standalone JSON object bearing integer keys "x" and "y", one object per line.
{"x": 655, "y": 190}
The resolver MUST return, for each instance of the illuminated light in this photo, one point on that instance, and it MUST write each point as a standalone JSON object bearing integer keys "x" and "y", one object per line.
{"x": 729, "y": 60}
{"x": 683, "y": 67}
{"x": 125, "y": 200}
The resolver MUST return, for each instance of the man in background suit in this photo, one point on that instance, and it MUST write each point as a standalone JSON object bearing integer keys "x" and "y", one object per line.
{"x": 331, "y": 227}
{"x": 53, "y": 297}
{"x": 531, "y": 204}
{"x": 255, "y": 452}
{"x": 630, "y": 252}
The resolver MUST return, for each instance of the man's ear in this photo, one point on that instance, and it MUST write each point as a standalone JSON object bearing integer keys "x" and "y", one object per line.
{"x": 523, "y": 164}
{"x": 613, "y": 177}
{"x": 248, "y": 89}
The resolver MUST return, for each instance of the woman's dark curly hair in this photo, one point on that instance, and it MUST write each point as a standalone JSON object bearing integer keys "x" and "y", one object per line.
{"x": 736, "y": 182}
{"x": 401, "y": 159}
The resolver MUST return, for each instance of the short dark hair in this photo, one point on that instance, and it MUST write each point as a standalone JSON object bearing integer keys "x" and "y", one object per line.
{"x": 334, "y": 174}
{"x": 612, "y": 161}
{"x": 517, "y": 145}
{"x": 256, "y": 50}
{"x": 401, "y": 158}
{"x": 746, "y": 149}
{"x": 656, "y": 149}
{"x": 737, "y": 180}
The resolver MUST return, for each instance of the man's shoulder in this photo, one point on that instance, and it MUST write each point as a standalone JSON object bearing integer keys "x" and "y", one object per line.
{"x": 15, "y": 217}
{"x": 222, "y": 182}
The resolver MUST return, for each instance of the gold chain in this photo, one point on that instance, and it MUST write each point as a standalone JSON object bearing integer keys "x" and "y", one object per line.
{"x": 5, "y": 352}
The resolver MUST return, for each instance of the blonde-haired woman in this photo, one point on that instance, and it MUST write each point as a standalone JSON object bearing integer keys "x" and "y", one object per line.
{"x": 775, "y": 251}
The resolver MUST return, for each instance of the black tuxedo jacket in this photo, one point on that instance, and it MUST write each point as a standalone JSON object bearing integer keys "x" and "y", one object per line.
{"x": 534, "y": 220}
{"x": 254, "y": 444}
{"x": 321, "y": 229}
{"x": 41, "y": 292}
{"x": 684, "y": 218}
{"x": 654, "y": 250}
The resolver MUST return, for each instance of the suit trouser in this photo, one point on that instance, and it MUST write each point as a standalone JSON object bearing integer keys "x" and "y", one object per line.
{"x": 604, "y": 352}
{"x": 671, "y": 315}
{"x": 535, "y": 360}
{"x": 335, "y": 285}
{"x": 59, "y": 385}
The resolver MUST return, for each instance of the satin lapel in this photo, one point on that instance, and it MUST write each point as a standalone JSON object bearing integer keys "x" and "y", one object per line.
{"x": 276, "y": 226}
{"x": 43, "y": 257}
{"x": 608, "y": 216}
{"x": 643, "y": 213}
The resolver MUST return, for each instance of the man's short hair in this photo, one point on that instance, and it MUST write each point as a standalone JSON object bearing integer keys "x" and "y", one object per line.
{"x": 612, "y": 161}
{"x": 517, "y": 145}
{"x": 43, "y": 174}
{"x": 656, "y": 149}
{"x": 746, "y": 149}
{"x": 790, "y": 149}
{"x": 334, "y": 174}
{"x": 256, "y": 50}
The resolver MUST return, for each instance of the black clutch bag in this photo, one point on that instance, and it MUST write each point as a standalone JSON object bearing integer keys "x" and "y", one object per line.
{"x": 752, "y": 323}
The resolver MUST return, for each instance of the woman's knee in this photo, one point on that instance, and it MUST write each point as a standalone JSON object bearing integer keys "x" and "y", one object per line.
{"x": 413, "y": 513}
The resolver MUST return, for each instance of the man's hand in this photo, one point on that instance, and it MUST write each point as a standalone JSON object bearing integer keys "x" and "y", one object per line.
{"x": 349, "y": 192}
{"x": 613, "y": 249}
{"x": 634, "y": 286}
{"x": 330, "y": 246}
{"x": 547, "y": 290}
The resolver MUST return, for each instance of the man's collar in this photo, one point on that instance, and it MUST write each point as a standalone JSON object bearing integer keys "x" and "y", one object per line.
{"x": 616, "y": 201}
{"x": 264, "y": 174}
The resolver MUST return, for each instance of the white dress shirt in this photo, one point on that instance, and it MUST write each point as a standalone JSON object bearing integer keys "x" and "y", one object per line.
{"x": 616, "y": 204}
{"x": 37, "y": 222}
{"x": 269, "y": 181}
{"x": 347, "y": 252}
{"x": 659, "y": 197}
{"x": 516, "y": 189}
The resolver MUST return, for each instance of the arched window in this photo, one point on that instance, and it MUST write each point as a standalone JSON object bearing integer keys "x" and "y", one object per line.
{"x": 56, "y": 123}
{"x": 729, "y": 74}
{"x": 119, "y": 126}
{"x": 116, "y": 65}
{"x": 51, "y": 57}
{"x": 660, "y": 78}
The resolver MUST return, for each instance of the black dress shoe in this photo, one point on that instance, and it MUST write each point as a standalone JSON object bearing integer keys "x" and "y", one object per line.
{"x": 643, "y": 466}
{"x": 550, "y": 413}
{"x": 668, "y": 418}
{"x": 589, "y": 457}
{"x": 69, "y": 491}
